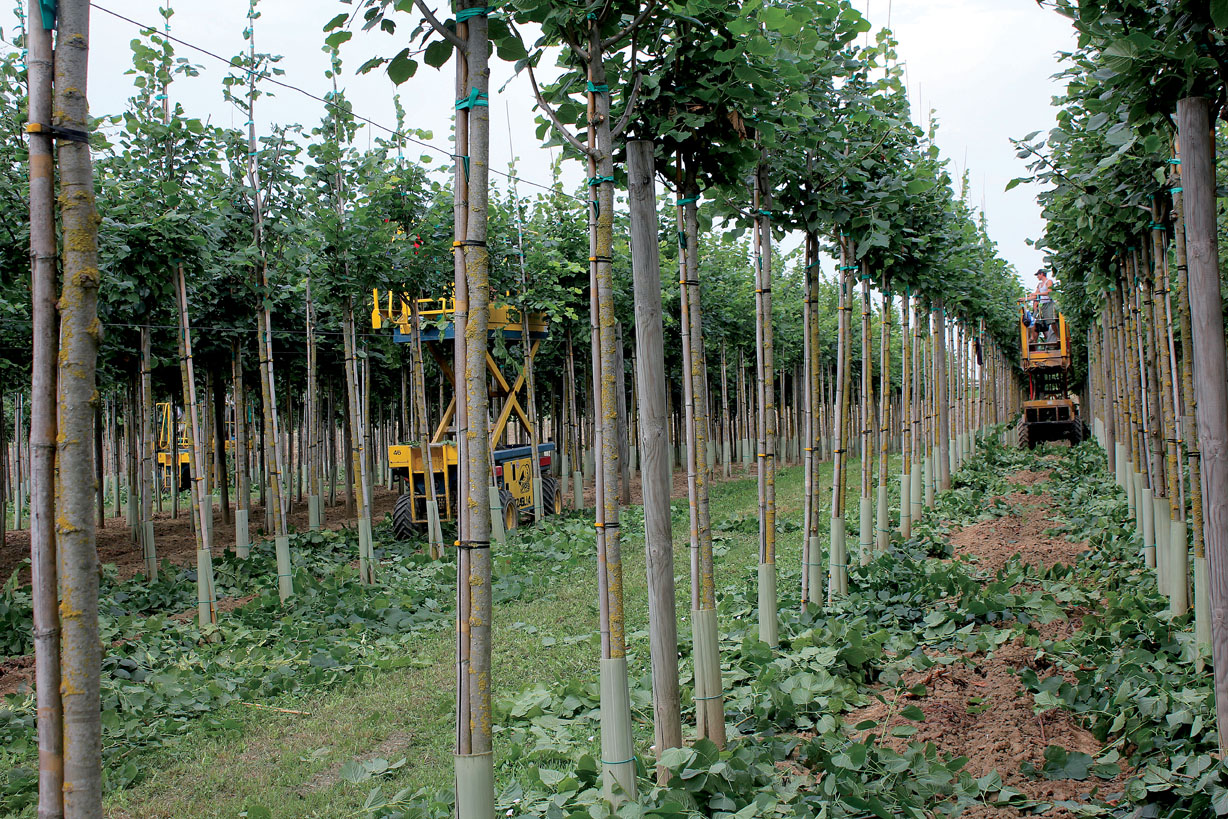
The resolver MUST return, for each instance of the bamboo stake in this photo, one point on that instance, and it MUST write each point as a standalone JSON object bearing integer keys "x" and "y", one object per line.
{"x": 206, "y": 599}
{"x": 866, "y": 505}
{"x": 906, "y": 419}
{"x": 1188, "y": 429}
{"x": 148, "y": 445}
{"x": 838, "y": 555}
{"x": 243, "y": 490}
{"x": 768, "y": 413}
{"x": 884, "y": 430}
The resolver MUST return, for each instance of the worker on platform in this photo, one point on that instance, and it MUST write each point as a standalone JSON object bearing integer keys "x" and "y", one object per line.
{"x": 1042, "y": 307}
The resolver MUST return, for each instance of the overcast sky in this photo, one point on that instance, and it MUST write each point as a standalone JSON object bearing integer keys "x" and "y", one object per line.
{"x": 984, "y": 66}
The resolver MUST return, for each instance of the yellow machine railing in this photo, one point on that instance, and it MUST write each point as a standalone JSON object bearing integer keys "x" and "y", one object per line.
{"x": 394, "y": 309}
{"x": 1044, "y": 353}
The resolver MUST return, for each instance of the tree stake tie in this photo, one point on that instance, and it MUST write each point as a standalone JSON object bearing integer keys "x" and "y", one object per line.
{"x": 687, "y": 200}
{"x": 476, "y": 99}
{"x": 474, "y": 11}
{"x": 472, "y": 545}
{"x": 57, "y": 133}
{"x": 593, "y": 88}
{"x": 624, "y": 762}
{"x": 682, "y": 239}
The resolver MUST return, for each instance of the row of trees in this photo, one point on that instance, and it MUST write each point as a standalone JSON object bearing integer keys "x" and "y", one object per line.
{"x": 1132, "y": 229}
{"x": 774, "y": 116}
{"x": 761, "y": 118}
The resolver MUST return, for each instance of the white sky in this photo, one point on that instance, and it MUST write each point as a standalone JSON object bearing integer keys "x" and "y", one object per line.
{"x": 983, "y": 65}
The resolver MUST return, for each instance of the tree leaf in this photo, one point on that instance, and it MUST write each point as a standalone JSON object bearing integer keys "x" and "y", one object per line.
{"x": 401, "y": 68}
{"x": 437, "y": 53}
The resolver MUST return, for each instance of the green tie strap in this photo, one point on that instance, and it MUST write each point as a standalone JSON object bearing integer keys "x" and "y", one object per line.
{"x": 474, "y": 11}
{"x": 475, "y": 99}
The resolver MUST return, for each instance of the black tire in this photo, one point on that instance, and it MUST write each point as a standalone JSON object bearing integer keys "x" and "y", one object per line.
{"x": 511, "y": 512}
{"x": 1077, "y": 433}
{"x": 403, "y": 526}
{"x": 552, "y": 498}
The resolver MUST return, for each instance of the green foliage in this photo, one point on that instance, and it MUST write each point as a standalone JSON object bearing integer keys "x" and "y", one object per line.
{"x": 16, "y": 614}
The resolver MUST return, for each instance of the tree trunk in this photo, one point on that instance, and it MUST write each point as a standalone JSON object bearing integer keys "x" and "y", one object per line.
{"x": 654, "y": 450}
{"x": 1211, "y": 384}
{"x": 81, "y": 649}
{"x": 942, "y": 455}
{"x": 43, "y": 429}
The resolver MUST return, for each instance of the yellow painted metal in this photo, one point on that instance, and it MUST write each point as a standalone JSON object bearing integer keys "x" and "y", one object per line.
{"x": 389, "y": 309}
{"x": 168, "y": 429}
{"x": 518, "y": 479}
{"x": 392, "y": 309}
{"x": 512, "y": 403}
{"x": 1044, "y": 355}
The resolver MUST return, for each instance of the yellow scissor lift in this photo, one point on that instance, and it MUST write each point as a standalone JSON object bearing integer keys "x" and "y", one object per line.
{"x": 170, "y": 427}
{"x": 177, "y": 453}
{"x": 1049, "y": 412}
{"x": 512, "y": 465}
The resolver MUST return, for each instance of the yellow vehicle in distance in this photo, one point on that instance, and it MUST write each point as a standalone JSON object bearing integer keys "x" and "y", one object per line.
{"x": 173, "y": 447}
{"x": 1050, "y": 413}
{"x": 513, "y": 465}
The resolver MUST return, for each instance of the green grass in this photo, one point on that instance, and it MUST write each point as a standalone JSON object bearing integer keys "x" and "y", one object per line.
{"x": 290, "y": 763}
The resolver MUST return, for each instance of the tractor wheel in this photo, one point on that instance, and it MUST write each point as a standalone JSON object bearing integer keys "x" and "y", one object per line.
{"x": 511, "y": 511}
{"x": 552, "y": 498}
{"x": 1022, "y": 434}
{"x": 1077, "y": 433}
{"x": 403, "y": 526}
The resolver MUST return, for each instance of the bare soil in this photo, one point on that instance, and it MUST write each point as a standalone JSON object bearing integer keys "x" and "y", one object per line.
{"x": 992, "y": 543}
{"x": 174, "y": 538}
{"x": 16, "y": 673}
{"x": 1029, "y": 477}
{"x": 975, "y": 707}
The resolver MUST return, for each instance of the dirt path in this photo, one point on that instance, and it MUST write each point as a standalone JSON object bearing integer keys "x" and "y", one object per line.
{"x": 975, "y": 706}
{"x": 174, "y": 538}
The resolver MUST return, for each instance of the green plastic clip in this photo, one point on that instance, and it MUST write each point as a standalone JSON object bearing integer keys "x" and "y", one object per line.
{"x": 475, "y": 99}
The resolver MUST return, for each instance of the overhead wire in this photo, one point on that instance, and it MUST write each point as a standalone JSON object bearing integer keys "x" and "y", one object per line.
{"x": 310, "y": 95}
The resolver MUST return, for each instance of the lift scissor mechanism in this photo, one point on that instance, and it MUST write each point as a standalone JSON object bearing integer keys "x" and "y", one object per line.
{"x": 512, "y": 465}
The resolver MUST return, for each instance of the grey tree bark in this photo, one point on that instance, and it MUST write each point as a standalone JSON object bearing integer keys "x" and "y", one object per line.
{"x": 43, "y": 569}
{"x": 654, "y": 449}
{"x": 1211, "y": 381}
{"x": 81, "y": 648}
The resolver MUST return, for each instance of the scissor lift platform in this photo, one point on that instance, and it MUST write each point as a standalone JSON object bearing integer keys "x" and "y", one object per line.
{"x": 513, "y": 465}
